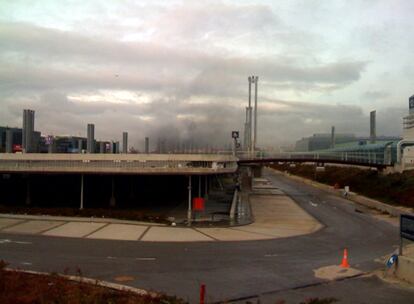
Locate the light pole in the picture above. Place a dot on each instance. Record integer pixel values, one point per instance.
(256, 80)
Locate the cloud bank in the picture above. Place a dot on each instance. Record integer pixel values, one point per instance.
(179, 71)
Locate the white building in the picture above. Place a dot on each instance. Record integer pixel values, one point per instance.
(405, 148)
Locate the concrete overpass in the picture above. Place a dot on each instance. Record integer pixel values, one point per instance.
(142, 164)
(190, 165)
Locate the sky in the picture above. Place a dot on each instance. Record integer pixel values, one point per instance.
(179, 69)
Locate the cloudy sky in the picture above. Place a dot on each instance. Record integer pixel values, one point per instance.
(179, 68)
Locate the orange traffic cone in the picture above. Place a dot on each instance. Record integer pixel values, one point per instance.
(344, 263)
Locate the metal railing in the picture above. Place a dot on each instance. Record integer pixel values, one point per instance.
(375, 158)
(109, 165)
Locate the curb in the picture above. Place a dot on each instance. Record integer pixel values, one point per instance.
(395, 211)
(77, 219)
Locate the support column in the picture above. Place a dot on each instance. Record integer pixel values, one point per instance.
(199, 186)
(28, 199)
(189, 213)
(206, 187)
(112, 201)
(81, 194)
(131, 189)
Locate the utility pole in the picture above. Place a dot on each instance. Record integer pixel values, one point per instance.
(255, 80)
(250, 114)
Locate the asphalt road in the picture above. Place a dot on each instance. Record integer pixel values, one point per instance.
(277, 269)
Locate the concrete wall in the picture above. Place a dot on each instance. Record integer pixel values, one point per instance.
(408, 158)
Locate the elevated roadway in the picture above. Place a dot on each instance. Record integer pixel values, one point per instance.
(368, 159)
(159, 164)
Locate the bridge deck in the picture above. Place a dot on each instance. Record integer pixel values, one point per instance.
(161, 164)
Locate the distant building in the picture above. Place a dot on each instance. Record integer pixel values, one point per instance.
(67, 144)
(17, 139)
(409, 121)
(322, 141)
(28, 140)
(90, 143)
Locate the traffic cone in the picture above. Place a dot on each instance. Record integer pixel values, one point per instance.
(344, 263)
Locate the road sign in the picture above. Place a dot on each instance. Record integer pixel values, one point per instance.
(407, 227)
(391, 261)
(235, 134)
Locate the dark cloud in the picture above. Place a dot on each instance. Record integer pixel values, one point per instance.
(200, 124)
(44, 59)
(185, 68)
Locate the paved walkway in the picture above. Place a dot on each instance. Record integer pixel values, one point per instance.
(275, 216)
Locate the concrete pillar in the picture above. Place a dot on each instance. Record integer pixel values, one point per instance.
(206, 187)
(131, 196)
(81, 194)
(112, 201)
(9, 141)
(189, 212)
(28, 201)
(125, 142)
(199, 186)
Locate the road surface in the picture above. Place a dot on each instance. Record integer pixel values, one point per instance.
(278, 269)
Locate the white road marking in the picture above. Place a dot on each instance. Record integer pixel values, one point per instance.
(111, 257)
(26, 263)
(145, 259)
(6, 241)
(313, 204)
(270, 255)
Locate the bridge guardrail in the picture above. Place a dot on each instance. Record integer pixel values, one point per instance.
(375, 158)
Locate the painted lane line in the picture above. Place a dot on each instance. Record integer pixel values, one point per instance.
(145, 259)
(7, 241)
(26, 263)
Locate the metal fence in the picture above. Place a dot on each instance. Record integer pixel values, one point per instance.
(108, 165)
(377, 158)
